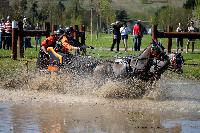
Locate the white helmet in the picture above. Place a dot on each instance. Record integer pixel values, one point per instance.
(8, 18)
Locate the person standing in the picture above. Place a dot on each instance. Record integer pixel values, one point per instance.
(125, 30)
(116, 35)
(8, 33)
(2, 25)
(25, 27)
(179, 41)
(37, 37)
(137, 34)
(191, 28)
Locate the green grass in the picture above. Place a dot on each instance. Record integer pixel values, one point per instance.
(102, 50)
(105, 41)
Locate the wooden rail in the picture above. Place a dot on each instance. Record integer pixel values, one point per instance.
(18, 34)
(169, 34)
(194, 35)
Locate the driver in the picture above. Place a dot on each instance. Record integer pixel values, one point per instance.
(59, 42)
(55, 43)
(63, 43)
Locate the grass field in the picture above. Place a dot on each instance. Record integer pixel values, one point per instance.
(102, 45)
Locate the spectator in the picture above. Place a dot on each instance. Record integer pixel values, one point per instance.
(8, 33)
(1, 32)
(116, 35)
(25, 27)
(137, 34)
(191, 28)
(25, 23)
(179, 41)
(125, 30)
(37, 37)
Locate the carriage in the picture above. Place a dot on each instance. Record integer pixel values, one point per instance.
(150, 64)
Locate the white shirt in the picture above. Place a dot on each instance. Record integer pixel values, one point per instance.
(191, 29)
(124, 30)
(179, 29)
(1, 27)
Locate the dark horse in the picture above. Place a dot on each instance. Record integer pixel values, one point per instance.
(150, 64)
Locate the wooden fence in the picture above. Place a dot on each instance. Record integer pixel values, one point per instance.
(169, 34)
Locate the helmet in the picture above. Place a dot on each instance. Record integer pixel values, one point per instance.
(60, 32)
(67, 30)
(51, 37)
(8, 17)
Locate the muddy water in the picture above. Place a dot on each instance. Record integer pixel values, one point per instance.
(174, 106)
(65, 118)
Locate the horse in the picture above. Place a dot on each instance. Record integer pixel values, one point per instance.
(150, 64)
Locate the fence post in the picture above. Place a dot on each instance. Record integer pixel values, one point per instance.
(54, 28)
(21, 39)
(82, 35)
(14, 39)
(76, 36)
(76, 32)
(47, 28)
(169, 29)
(82, 31)
(154, 33)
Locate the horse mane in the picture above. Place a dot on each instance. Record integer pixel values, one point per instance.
(145, 54)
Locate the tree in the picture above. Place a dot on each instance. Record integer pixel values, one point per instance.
(121, 15)
(74, 12)
(4, 8)
(172, 16)
(33, 10)
(196, 12)
(43, 15)
(23, 6)
(190, 4)
(77, 17)
(106, 13)
(60, 8)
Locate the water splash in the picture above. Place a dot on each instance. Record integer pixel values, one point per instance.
(72, 83)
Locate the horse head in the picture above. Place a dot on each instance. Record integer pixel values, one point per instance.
(138, 66)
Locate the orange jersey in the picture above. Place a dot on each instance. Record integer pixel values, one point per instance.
(49, 42)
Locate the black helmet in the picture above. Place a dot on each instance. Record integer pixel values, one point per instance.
(60, 32)
(67, 30)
